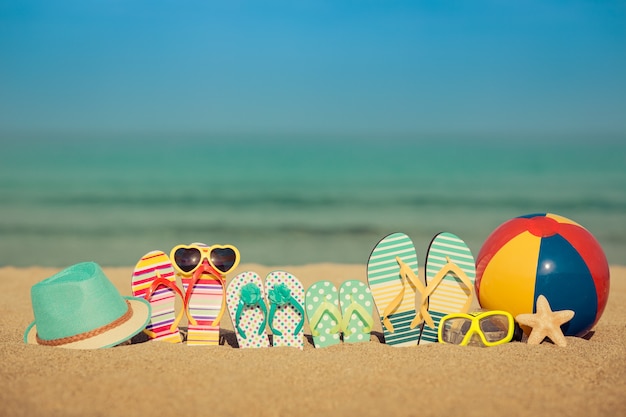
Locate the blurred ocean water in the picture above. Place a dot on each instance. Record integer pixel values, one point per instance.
(295, 201)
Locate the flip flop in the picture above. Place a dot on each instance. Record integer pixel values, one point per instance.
(322, 309)
(285, 294)
(204, 298)
(392, 277)
(154, 280)
(356, 308)
(245, 298)
(450, 275)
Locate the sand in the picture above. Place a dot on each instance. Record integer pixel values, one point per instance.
(586, 378)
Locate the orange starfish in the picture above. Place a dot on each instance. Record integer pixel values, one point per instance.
(545, 323)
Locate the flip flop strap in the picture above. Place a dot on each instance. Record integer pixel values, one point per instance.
(196, 277)
(357, 308)
(406, 274)
(319, 313)
(297, 306)
(438, 278)
(162, 282)
(421, 309)
(240, 308)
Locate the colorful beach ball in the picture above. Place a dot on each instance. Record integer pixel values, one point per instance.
(544, 254)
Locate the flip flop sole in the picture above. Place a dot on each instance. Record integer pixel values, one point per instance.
(385, 282)
(357, 328)
(316, 295)
(252, 317)
(287, 318)
(163, 301)
(451, 294)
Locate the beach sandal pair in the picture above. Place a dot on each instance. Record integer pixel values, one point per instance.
(331, 312)
(202, 271)
(410, 311)
(248, 302)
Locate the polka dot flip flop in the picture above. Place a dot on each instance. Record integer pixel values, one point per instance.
(285, 294)
(245, 298)
(322, 310)
(356, 308)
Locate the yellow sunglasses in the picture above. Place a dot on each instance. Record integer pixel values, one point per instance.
(188, 258)
(488, 328)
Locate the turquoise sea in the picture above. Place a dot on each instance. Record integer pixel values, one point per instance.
(293, 200)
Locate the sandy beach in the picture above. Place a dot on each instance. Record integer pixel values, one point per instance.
(586, 378)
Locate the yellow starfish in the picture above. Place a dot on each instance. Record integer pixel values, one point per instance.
(545, 323)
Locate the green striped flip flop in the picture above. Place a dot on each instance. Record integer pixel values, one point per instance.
(392, 277)
(322, 310)
(450, 275)
(356, 308)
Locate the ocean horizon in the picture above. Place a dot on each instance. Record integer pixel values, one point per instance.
(291, 200)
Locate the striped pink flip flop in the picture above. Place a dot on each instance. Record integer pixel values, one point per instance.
(154, 280)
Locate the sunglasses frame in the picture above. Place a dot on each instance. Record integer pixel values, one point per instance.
(205, 253)
(475, 318)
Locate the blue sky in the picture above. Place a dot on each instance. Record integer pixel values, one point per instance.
(362, 67)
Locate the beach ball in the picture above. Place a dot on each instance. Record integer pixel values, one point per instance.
(544, 254)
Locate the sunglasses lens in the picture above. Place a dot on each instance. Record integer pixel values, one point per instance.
(495, 328)
(187, 259)
(454, 330)
(223, 258)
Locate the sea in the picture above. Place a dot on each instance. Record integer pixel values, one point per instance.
(293, 199)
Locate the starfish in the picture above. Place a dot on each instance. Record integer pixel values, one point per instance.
(545, 323)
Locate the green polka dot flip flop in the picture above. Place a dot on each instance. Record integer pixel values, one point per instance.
(356, 309)
(285, 294)
(245, 298)
(322, 310)
(450, 275)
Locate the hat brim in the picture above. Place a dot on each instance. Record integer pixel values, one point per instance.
(138, 321)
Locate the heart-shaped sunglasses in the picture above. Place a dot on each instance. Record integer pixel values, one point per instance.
(188, 258)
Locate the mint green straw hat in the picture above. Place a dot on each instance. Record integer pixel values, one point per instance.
(79, 308)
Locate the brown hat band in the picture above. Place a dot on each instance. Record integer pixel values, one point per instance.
(86, 335)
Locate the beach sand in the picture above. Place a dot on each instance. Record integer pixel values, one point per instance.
(586, 378)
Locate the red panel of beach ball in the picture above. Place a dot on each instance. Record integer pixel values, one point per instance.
(544, 254)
